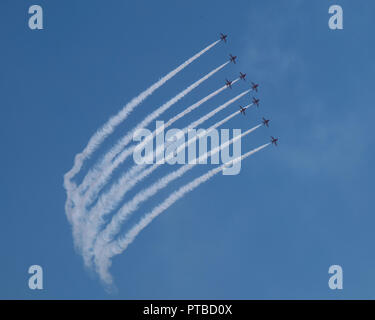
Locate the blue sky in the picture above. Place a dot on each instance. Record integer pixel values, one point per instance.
(270, 232)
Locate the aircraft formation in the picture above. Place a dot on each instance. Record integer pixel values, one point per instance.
(254, 87)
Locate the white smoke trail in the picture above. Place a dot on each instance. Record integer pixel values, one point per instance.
(133, 176)
(215, 111)
(75, 204)
(96, 186)
(114, 121)
(114, 226)
(191, 108)
(108, 201)
(94, 173)
(232, 116)
(103, 261)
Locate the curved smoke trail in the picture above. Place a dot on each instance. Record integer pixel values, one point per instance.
(103, 260)
(97, 177)
(109, 201)
(101, 134)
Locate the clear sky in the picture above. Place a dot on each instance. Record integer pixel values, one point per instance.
(270, 232)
